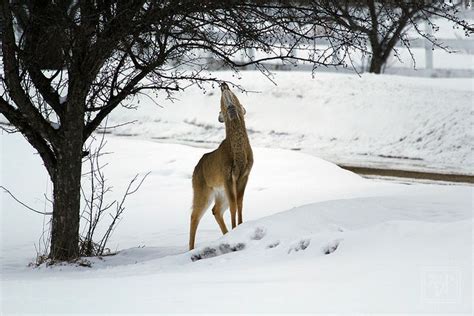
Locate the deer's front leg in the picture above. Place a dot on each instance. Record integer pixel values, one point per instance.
(231, 192)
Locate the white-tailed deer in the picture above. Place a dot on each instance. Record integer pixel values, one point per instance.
(221, 176)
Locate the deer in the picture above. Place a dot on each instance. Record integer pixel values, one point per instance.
(221, 176)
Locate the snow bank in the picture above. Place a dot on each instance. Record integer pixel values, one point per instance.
(355, 245)
(381, 121)
(162, 205)
(413, 123)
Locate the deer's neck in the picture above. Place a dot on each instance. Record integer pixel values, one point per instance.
(236, 134)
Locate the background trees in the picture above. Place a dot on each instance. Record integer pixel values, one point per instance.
(385, 23)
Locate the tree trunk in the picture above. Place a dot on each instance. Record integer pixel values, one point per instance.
(67, 184)
(376, 63)
(66, 207)
(379, 56)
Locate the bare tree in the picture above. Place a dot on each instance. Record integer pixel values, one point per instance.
(67, 64)
(384, 23)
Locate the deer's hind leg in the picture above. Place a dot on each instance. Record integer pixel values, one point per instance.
(241, 185)
(218, 210)
(201, 200)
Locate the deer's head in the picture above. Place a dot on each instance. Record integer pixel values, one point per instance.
(230, 105)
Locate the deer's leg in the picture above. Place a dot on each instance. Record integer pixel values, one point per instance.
(231, 192)
(201, 202)
(241, 184)
(218, 211)
(192, 231)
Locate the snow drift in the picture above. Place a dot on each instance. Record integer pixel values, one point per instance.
(389, 121)
(316, 238)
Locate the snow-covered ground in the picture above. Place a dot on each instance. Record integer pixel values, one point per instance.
(388, 121)
(316, 238)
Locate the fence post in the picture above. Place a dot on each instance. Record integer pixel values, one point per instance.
(428, 47)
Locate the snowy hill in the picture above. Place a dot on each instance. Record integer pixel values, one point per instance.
(388, 121)
(316, 238)
(373, 120)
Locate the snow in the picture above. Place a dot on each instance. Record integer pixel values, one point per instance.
(447, 30)
(62, 99)
(457, 59)
(409, 123)
(459, 45)
(55, 125)
(316, 238)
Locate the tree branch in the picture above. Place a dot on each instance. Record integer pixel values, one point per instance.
(12, 77)
(16, 118)
(23, 204)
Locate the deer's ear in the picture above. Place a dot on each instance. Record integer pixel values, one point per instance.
(221, 117)
(244, 110)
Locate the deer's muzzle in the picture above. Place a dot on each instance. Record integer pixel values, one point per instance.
(224, 86)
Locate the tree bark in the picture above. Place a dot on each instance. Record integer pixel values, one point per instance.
(66, 207)
(376, 63)
(67, 183)
(378, 59)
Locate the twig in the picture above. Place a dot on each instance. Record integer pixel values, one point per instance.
(119, 211)
(23, 204)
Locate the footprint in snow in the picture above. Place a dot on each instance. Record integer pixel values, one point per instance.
(331, 247)
(301, 245)
(222, 249)
(259, 233)
(273, 245)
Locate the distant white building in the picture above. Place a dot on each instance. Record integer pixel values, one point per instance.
(466, 3)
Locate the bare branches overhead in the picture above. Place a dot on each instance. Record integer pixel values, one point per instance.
(111, 50)
(67, 64)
